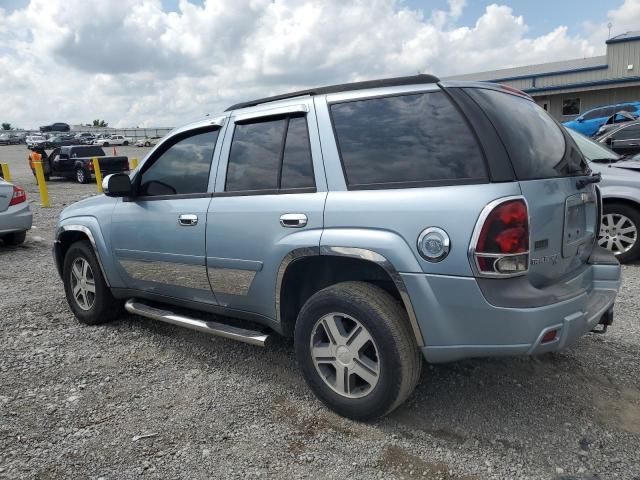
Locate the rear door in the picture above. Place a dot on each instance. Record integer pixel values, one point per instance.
(269, 200)
(548, 165)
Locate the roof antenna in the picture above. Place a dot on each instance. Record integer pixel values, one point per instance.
(609, 25)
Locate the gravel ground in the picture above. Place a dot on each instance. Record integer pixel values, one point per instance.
(139, 398)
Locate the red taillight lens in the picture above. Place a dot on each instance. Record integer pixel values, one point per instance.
(19, 196)
(504, 233)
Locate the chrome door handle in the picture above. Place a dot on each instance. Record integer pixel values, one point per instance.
(188, 220)
(293, 220)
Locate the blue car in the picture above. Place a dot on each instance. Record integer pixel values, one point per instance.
(589, 122)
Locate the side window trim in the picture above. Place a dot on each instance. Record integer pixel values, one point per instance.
(285, 113)
(162, 148)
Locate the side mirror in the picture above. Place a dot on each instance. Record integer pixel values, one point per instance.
(609, 141)
(579, 119)
(117, 185)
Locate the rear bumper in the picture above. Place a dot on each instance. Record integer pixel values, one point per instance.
(17, 218)
(457, 321)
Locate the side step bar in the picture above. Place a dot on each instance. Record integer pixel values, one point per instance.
(214, 328)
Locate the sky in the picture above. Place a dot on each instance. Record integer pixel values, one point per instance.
(163, 63)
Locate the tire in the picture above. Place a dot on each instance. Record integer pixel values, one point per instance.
(105, 144)
(147, 144)
(390, 356)
(15, 238)
(82, 176)
(125, 143)
(97, 307)
(620, 231)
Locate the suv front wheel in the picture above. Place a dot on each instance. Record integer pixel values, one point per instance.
(86, 290)
(356, 350)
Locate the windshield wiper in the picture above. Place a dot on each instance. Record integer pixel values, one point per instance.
(605, 160)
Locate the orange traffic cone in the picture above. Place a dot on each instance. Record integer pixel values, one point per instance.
(115, 154)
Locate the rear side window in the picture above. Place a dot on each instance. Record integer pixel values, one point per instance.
(273, 154)
(406, 141)
(535, 142)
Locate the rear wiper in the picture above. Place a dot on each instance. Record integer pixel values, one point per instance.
(584, 181)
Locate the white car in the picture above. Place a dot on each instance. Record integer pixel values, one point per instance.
(34, 140)
(113, 140)
(146, 142)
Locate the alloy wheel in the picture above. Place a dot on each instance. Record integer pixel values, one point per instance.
(618, 233)
(80, 175)
(83, 284)
(345, 355)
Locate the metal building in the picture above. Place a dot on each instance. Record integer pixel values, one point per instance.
(567, 89)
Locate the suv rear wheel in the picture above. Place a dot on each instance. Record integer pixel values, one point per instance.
(356, 350)
(81, 175)
(86, 290)
(619, 231)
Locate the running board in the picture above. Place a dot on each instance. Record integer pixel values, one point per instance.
(213, 328)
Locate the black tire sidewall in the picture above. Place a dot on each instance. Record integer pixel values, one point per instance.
(388, 387)
(100, 306)
(634, 215)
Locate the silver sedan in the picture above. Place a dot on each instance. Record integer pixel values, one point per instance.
(620, 187)
(15, 214)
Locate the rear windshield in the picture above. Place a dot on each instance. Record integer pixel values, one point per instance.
(87, 151)
(535, 142)
(408, 140)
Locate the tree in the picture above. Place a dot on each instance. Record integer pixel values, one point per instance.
(6, 126)
(100, 123)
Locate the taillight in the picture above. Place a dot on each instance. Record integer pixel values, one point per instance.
(502, 239)
(19, 196)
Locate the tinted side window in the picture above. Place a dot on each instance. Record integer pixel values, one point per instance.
(183, 168)
(254, 159)
(270, 155)
(297, 166)
(408, 140)
(535, 142)
(629, 133)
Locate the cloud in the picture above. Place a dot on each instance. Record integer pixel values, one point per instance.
(133, 63)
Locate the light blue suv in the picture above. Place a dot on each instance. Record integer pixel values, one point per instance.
(375, 223)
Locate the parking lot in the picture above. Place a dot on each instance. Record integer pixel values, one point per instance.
(138, 398)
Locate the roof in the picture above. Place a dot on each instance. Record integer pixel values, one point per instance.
(578, 64)
(625, 37)
(344, 87)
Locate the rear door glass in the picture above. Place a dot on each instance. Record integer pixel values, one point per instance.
(406, 140)
(535, 142)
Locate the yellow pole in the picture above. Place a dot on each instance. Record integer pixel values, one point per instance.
(42, 184)
(98, 173)
(133, 164)
(6, 174)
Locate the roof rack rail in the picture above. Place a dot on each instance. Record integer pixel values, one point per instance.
(344, 87)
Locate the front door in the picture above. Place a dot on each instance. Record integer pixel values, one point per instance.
(158, 236)
(269, 200)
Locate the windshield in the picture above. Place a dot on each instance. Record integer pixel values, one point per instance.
(593, 151)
